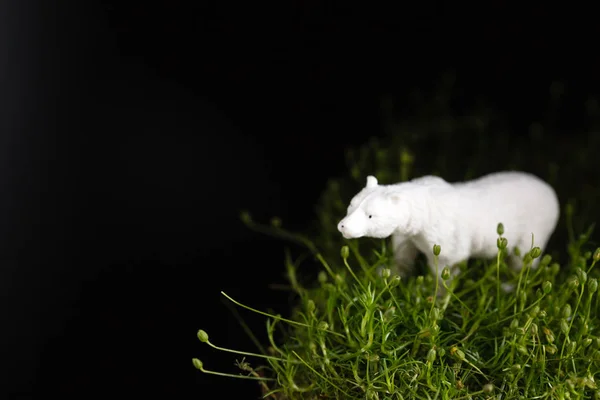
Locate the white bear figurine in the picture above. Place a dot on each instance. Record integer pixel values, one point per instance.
(461, 217)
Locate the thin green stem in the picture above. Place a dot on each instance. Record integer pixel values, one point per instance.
(253, 378)
(289, 321)
(353, 274)
(498, 284)
(320, 375)
(245, 353)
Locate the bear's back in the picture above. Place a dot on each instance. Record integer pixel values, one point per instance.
(498, 179)
(429, 180)
(521, 201)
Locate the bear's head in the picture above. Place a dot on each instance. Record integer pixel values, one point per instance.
(373, 212)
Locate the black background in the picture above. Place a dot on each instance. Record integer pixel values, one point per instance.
(133, 134)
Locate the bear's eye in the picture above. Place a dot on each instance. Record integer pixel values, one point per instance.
(370, 216)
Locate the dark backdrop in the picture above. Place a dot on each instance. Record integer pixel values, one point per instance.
(131, 135)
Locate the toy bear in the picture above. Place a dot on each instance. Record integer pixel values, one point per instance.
(461, 217)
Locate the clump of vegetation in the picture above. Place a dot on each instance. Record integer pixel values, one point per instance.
(359, 331)
(360, 334)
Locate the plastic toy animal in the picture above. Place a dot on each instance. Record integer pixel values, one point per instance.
(460, 217)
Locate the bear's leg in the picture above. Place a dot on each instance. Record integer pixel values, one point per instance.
(405, 254)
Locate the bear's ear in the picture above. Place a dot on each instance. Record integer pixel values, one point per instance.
(371, 181)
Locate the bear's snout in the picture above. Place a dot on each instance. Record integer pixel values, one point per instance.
(348, 229)
(343, 228)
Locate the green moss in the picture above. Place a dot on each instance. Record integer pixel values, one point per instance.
(355, 333)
